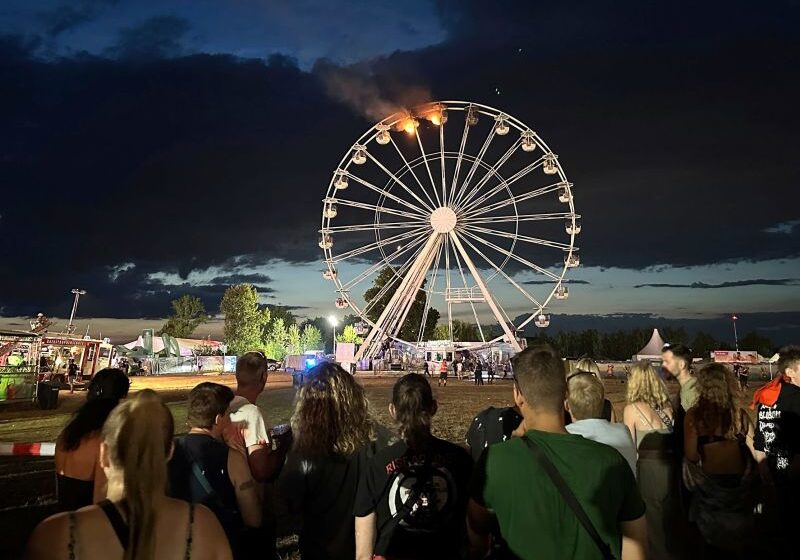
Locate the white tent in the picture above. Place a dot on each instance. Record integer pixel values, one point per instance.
(651, 350)
(186, 345)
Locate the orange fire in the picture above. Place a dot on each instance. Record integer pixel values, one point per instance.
(409, 125)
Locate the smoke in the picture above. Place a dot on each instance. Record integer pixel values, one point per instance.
(358, 88)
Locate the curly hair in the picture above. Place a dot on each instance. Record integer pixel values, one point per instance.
(720, 402)
(331, 415)
(644, 385)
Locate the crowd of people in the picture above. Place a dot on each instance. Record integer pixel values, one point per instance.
(554, 476)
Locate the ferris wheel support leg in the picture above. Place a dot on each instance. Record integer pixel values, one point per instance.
(485, 292)
(413, 276)
(413, 287)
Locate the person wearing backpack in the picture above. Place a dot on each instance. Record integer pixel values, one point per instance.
(204, 470)
(412, 497)
(551, 493)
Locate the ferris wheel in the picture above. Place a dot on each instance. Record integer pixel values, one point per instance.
(456, 207)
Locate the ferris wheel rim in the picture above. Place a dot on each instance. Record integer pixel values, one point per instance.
(369, 135)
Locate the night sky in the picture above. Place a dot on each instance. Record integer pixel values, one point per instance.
(154, 148)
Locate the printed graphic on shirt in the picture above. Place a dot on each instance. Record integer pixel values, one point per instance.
(423, 497)
(768, 417)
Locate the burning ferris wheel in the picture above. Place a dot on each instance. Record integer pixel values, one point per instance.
(457, 204)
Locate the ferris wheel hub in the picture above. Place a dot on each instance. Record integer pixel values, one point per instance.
(443, 220)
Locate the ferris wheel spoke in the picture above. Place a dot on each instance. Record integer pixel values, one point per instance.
(441, 162)
(520, 237)
(459, 159)
(397, 180)
(373, 226)
(508, 253)
(413, 174)
(447, 285)
(391, 282)
(466, 287)
(471, 173)
(478, 202)
(375, 208)
(519, 218)
(378, 244)
(514, 200)
(427, 165)
(386, 193)
(522, 290)
(429, 293)
(381, 263)
(489, 173)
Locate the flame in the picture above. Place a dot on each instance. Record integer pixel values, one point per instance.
(409, 125)
(436, 119)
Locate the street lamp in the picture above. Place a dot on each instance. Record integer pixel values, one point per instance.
(735, 335)
(78, 293)
(333, 321)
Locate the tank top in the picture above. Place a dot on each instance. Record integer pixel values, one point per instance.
(198, 473)
(121, 529)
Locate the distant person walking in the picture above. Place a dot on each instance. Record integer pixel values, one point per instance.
(443, 373)
(479, 373)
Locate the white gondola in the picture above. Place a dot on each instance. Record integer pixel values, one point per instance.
(572, 261)
(501, 126)
(562, 292)
(528, 143)
(360, 155)
(549, 166)
(564, 195)
(472, 116)
(341, 182)
(573, 228)
(383, 137)
(329, 273)
(325, 241)
(341, 303)
(542, 320)
(330, 210)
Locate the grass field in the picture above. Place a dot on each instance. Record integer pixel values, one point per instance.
(27, 484)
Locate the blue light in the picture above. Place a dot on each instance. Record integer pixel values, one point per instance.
(310, 362)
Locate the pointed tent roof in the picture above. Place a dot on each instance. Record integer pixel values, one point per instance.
(651, 350)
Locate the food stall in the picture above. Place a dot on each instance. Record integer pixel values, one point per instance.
(91, 355)
(19, 358)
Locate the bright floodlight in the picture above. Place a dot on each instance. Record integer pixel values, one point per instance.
(332, 320)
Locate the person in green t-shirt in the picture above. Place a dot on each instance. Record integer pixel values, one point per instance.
(534, 520)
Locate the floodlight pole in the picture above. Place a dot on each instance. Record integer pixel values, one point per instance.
(78, 293)
(735, 334)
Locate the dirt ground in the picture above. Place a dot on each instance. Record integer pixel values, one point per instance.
(27, 484)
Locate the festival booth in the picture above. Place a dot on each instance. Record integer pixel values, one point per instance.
(652, 350)
(19, 358)
(90, 355)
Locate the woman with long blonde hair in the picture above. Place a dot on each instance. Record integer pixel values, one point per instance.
(648, 416)
(719, 461)
(137, 521)
(332, 426)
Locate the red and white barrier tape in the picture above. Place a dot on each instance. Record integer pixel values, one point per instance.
(40, 449)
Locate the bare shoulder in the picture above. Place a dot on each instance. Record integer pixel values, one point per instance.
(208, 538)
(49, 539)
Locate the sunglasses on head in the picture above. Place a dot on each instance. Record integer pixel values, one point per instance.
(577, 373)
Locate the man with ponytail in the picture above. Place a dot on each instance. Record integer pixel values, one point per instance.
(411, 498)
(137, 521)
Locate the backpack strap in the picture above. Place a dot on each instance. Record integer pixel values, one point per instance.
(570, 499)
(117, 523)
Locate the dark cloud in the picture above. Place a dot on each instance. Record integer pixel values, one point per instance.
(229, 279)
(549, 282)
(678, 131)
(156, 37)
(733, 284)
(68, 16)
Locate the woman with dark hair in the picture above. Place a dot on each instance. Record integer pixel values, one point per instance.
(332, 429)
(80, 480)
(412, 497)
(719, 467)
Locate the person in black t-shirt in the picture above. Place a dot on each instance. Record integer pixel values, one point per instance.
(490, 426)
(333, 437)
(411, 500)
(777, 444)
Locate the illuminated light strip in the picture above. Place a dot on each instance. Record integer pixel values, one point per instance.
(38, 449)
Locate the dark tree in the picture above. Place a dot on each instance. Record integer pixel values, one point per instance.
(188, 313)
(410, 328)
